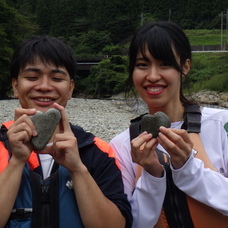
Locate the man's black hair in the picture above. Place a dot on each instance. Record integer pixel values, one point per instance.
(48, 49)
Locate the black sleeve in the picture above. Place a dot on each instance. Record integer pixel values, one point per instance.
(108, 177)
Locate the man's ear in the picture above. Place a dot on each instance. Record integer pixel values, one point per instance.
(186, 66)
(71, 89)
(15, 86)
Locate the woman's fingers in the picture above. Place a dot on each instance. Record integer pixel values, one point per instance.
(177, 143)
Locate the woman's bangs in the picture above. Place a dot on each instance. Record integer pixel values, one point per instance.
(159, 45)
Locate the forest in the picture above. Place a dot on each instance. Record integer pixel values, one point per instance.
(96, 27)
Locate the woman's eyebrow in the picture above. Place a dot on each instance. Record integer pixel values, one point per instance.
(142, 59)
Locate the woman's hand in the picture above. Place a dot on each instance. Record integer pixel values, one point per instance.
(177, 143)
(143, 153)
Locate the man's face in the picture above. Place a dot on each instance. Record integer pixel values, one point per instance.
(40, 86)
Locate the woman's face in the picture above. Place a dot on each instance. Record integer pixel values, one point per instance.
(157, 82)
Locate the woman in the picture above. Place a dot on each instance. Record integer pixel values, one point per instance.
(159, 59)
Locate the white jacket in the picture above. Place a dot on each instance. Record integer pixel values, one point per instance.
(205, 185)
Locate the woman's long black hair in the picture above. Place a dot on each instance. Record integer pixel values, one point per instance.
(163, 39)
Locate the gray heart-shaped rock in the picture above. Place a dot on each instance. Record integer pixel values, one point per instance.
(45, 123)
(152, 123)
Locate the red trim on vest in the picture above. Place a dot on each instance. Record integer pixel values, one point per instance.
(4, 157)
(4, 154)
(33, 161)
(8, 123)
(105, 147)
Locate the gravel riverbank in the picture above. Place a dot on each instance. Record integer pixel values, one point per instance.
(107, 118)
(104, 118)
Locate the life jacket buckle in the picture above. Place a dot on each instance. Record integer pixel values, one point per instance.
(19, 213)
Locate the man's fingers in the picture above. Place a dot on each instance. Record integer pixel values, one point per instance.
(24, 121)
(64, 125)
(21, 111)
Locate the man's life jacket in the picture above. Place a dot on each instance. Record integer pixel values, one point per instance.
(180, 210)
(50, 202)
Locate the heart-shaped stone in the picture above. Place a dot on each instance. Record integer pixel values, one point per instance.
(45, 123)
(152, 123)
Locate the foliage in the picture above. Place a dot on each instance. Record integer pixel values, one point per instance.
(104, 27)
(92, 42)
(119, 18)
(113, 50)
(13, 29)
(209, 71)
(204, 36)
(107, 78)
(215, 83)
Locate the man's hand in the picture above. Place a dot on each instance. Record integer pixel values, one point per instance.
(65, 148)
(20, 133)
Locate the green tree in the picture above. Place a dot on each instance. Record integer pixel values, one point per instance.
(44, 15)
(92, 42)
(70, 18)
(116, 17)
(107, 78)
(13, 29)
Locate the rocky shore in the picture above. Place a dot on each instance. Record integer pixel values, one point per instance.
(211, 98)
(106, 118)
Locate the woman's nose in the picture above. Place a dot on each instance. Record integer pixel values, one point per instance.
(153, 74)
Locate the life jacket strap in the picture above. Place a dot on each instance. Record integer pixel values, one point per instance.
(21, 213)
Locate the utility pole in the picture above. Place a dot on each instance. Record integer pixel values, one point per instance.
(221, 15)
(226, 29)
(142, 18)
(169, 14)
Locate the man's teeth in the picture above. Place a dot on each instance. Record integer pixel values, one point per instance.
(44, 99)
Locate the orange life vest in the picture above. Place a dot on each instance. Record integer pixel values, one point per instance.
(4, 155)
(33, 159)
(202, 215)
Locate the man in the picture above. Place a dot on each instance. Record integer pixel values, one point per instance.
(73, 181)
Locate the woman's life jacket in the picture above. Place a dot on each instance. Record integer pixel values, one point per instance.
(180, 210)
